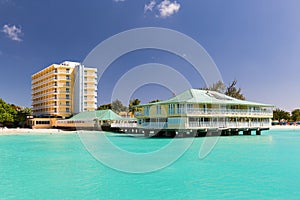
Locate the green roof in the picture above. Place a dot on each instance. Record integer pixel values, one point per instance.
(206, 96)
(98, 114)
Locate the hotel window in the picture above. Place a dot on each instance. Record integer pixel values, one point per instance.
(85, 84)
(68, 83)
(85, 72)
(55, 103)
(171, 109)
(55, 90)
(179, 108)
(55, 83)
(42, 122)
(67, 110)
(146, 110)
(55, 97)
(68, 71)
(67, 90)
(68, 77)
(67, 96)
(68, 103)
(55, 110)
(55, 77)
(85, 104)
(158, 110)
(85, 97)
(190, 107)
(55, 70)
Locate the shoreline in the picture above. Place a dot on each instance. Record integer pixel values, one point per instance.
(286, 127)
(28, 131)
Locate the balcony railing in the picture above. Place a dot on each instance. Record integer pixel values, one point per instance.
(227, 124)
(120, 125)
(231, 112)
(218, 112)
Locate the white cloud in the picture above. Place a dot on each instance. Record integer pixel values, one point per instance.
(118, 0)
(167, 8)
(13, 32)
(149, 6)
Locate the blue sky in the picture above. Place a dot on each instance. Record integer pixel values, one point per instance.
(256, 42)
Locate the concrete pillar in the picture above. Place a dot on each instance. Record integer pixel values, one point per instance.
(258, 132)
(247, 132)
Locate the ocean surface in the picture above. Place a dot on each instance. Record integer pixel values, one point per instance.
(239, 167)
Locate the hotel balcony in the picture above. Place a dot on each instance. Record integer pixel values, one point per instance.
(217, 112)
(228, 124)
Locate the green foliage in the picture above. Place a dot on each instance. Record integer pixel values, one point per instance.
(118, 107)
(7, 112)
(218, 87)
(115, 106)
(279, 114)
(154, 101)
(132, 104)
(234, 92)
(13, 115)
(296, 115)
(104, 107)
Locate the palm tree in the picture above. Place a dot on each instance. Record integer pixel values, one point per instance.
(132, 104)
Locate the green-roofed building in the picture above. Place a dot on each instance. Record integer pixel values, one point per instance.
(197, 109)
(95, 120)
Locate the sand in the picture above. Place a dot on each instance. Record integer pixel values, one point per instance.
(286, 127)
(25, 131)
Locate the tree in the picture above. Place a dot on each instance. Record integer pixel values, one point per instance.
(279, 114)
(234, 92)
(296, 115)
(229, 90)
(104, 107)
(132, 104)
(154, 101)
(218, 87)
(7, 113)
(118, 107)
(21, 116)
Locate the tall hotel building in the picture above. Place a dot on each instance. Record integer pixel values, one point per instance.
(62, 90)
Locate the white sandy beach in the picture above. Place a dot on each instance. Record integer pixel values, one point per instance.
(287, 127)
(25, 131)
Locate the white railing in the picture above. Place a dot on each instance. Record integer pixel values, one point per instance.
(43, 88)
(90, 74)
(44, 76)
(121, 125)
(42, 95)
(50, 99)
(227, 124)
(231, 112)
(90, 80)
(218, 112)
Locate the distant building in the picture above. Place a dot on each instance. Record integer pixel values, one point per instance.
(62, 90)
(197, 110)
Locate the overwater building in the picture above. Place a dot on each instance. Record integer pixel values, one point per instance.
(62, 90)
(198, 111)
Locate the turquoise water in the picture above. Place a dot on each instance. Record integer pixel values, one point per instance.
(240, 167)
